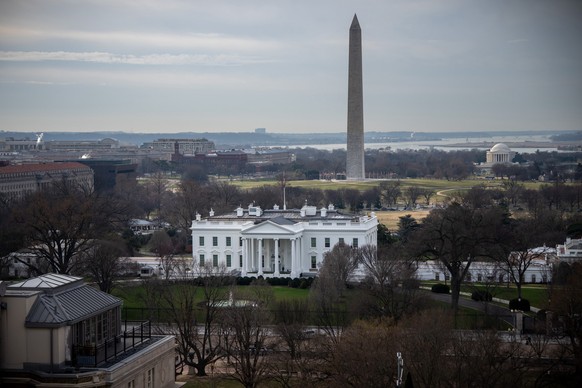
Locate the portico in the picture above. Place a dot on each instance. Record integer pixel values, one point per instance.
(274, 242)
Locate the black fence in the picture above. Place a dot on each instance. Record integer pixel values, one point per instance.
(112, 349)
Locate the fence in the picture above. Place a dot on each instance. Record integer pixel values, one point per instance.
(94, 355)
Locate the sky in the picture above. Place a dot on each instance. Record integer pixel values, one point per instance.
(236, 65)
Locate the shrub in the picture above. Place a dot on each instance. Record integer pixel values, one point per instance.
(481, 296)
(303, 284)
(294, 283)
(440, 288)
(410, 284)
(516, 304)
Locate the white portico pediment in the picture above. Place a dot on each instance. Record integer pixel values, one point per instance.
(270, 228)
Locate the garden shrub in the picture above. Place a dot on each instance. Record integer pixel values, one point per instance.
(516, 304)
(440, 288)
(481, 296)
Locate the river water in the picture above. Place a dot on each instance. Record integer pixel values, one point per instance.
(446, 144)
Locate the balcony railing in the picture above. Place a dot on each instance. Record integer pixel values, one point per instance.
(112, 349)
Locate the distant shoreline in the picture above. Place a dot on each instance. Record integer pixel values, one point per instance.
(518, 144)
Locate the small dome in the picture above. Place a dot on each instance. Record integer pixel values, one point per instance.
(500, 147)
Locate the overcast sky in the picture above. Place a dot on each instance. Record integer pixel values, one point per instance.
(201, 65)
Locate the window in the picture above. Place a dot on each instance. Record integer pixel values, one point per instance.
(355, 242)
(202, 260)
(479, 278)
(215, 260)
(341, 240)
(228, 241)
(545, 278)
(327, 242)
(201, 241)
(240, 261)
(214, 241)
(533, 278)
(240, 242)
(131, 384)
(313, 242)
(149, 383)
(501, 278)
(437, 276)
(313, 262)
(228, 260)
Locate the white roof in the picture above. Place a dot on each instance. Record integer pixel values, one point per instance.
(500, 147)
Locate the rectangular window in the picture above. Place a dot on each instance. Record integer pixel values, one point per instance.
(355, 242)
(240, 242)
(313, 242)
(327, 242)
(228, 241)
(215, 260)
(214, 241)
(240, 261)
(201, 241)
(533, 278)
(341, 240)
(436, 276)
(202, 260)
(149, 383)
(313, 262)
(228, 260)
(131, 384)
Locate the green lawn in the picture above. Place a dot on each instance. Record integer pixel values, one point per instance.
(434, 184)
(134, 295)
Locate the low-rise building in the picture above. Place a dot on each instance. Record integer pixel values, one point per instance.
(571, 251)
(55, 330)
(277, 242)
(16, 181)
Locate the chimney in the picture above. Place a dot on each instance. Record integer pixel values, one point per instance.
(323, 212)
(239, 211)
(211, 213)
(198, 216)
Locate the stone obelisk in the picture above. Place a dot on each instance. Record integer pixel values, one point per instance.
(355, 154)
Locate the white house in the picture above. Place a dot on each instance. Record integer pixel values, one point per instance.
(277, 242)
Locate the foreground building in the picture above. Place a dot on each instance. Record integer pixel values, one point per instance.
(276, 242)
(57, 331)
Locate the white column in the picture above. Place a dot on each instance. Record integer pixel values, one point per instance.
(293, 259)
(276, 257)
(260, 258)
(245, 258)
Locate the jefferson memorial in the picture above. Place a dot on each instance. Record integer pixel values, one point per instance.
(500, 153)
(277, 242)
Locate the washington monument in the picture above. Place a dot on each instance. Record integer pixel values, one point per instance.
(355, 154)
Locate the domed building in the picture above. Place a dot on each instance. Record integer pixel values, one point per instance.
(500, 153)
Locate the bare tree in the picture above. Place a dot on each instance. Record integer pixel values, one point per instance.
(390, 191)
(365, 356)
(104, 262)
(386, 270)
(456, 236)
(411, 195)
(192, 310)
(60, 224)
(246, 324)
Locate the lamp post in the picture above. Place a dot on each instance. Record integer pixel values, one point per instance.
(400, 369)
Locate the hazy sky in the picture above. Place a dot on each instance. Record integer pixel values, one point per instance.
(219, 65)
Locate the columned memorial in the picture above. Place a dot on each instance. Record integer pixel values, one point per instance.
(355, 147)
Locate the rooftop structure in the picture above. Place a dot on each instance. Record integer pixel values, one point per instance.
(55, 329)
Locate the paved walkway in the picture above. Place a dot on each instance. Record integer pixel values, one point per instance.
(489, 308)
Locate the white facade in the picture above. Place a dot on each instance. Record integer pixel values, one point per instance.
(500, 153)
(277, 243)
(570, 251)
